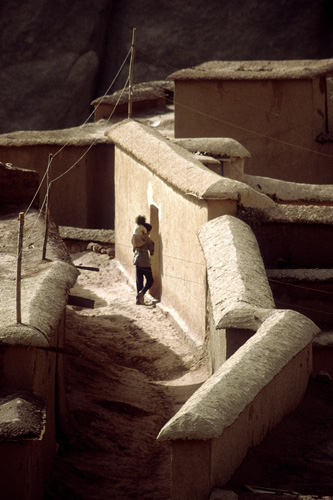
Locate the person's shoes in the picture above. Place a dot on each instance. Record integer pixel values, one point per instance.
(138, 303)
(141, 298)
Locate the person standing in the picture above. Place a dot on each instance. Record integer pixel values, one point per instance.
(141, 259)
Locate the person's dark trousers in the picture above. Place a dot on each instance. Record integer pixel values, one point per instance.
(143, 272)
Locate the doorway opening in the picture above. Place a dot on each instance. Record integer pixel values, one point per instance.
(156, 289)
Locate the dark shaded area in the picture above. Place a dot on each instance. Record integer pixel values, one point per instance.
(57, 57)
(297, 455)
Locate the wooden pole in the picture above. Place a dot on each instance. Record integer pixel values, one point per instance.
(19, 268)
(130, 89)
(47, 208)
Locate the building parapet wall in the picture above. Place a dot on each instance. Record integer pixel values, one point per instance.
(256, 70)
(240, 292)
(250, 393)
(218, 403)
(178, 167)
(83, 135)
(290, 214)
(39, 320)
(31, 368)
(291, 192)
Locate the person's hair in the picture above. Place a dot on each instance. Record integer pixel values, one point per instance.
(148, 226)
(140, 220)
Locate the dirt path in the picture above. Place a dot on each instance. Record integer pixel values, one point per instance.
(128, 373)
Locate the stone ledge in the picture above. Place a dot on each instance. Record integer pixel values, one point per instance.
(217, 404)
(82, 234)
(300, 274)
(240, 293)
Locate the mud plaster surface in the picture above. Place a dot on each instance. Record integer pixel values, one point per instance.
(127, 372)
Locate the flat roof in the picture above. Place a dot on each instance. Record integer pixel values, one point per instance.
(84, 135)
(45, 284)
(146, 91)
(256, 70)
(178, 167)
(214, 146)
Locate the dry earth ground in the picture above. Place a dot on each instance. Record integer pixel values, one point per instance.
(127, 370)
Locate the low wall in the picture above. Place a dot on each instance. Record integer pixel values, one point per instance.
(28, 437)
(81, 171)
(17, 186)
(250, 393)
(30, 363)
(233, 411)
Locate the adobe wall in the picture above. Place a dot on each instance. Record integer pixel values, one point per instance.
(234, 409)
(26, 464)
(84, 197)
(280, 117)
(159, 179)
(200, 465)
(30, 369)
(261, 359)
(178, 264)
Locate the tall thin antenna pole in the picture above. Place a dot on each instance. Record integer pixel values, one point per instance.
(47, 209)
(130, 100)
(19, 266)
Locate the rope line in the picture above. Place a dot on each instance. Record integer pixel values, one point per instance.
(258, 134)
(244, 129)
(200, 264)
(276, 301)
(68, 170)
(235, 96)
(300, 286)
(303, 307)
(172, 276)
(100, 101)
(94, 142)
(253, 132)
(79, 129)
(169, 256)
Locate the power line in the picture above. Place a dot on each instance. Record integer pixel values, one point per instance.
(79, 129)
(253, 132)
(286, 283)
(95, 140)
(303, 307)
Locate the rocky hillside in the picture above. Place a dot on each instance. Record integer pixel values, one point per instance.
(56, 56)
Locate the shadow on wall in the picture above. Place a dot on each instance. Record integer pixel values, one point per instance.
(156, 289)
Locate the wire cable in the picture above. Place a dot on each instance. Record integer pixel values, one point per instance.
(253, 132)
(95, 140)
(79, 129)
